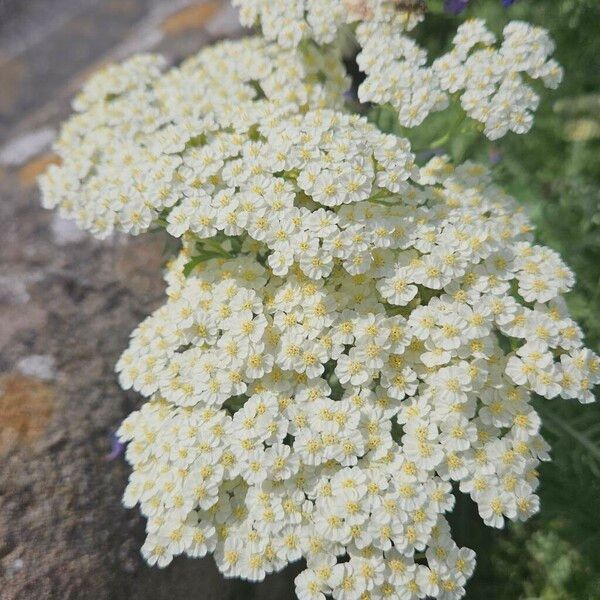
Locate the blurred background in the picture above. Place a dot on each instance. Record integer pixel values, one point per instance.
(68, 303)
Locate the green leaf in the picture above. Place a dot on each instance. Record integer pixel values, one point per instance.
(200, 258)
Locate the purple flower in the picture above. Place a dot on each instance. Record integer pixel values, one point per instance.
(494, 155)
(117, 448)
(455, 6)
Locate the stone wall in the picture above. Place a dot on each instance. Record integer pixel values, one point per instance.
(67, 305)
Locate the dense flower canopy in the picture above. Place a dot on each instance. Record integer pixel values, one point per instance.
(289, 22)
(320, 417)
(490, 83)
(144, 138)
(350, 336)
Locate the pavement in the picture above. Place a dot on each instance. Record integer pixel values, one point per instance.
(67, 305)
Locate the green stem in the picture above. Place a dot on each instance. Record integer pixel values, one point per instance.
(576, 435)
(381, 197)
(382, 201)
(441, 141)
(216, 248)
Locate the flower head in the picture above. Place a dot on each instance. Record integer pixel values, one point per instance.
(143, 138)
(319, 413)
(347, 335)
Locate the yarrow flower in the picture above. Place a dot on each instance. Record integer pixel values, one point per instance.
(490, 83)
(289, 22)
(144, 138)
(349, 337)
(327, 414)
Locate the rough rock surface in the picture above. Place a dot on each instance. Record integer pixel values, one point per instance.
(67, 305)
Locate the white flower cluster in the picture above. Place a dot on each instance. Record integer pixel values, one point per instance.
(289, 22)
(491, 81)
(145, 139)
(487, 81)
(347, 336)
(328, 417)
(281, 189)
